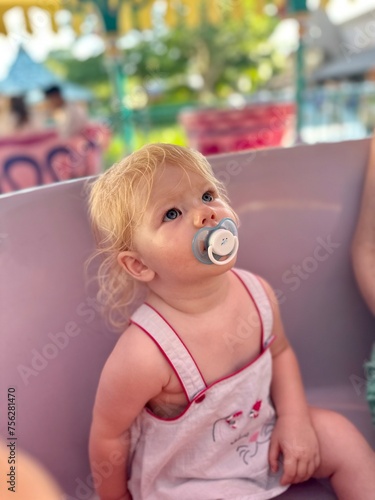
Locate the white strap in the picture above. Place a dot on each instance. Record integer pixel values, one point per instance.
(173, 348)
(256, 289)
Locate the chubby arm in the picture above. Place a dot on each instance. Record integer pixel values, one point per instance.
(134, 373)
(293, 436)
(363, 245)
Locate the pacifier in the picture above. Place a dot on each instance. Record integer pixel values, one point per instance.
(211, 244)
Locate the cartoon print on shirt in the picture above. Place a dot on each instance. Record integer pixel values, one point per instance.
(223, 431)
(254, 412)
(249, 450)
(232, 421)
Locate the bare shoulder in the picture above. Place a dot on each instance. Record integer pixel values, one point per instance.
(137, 354)
(134, 373)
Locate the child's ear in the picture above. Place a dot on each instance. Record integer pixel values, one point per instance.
(133, 265)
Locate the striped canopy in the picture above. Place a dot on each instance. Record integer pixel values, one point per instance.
(51, 6)
(120, 16)
(25, 75)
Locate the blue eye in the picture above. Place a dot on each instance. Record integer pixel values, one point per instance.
(207, 197)
(172, 214)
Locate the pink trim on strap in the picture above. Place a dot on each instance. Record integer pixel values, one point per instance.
(151, 322)
(180, 339)
(261, 348)
(164, 354)
(259, 297)
(177, 354)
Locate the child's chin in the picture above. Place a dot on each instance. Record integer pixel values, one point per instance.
(219, 269)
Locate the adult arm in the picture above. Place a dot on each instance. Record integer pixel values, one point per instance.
(363, 245)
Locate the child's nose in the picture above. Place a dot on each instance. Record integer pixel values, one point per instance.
(204, 216)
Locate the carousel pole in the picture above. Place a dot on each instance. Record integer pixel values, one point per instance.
(109, 13)
(298, 9)
(119, 84)
(300, 78)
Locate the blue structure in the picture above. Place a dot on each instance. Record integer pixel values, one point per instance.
(26, 75)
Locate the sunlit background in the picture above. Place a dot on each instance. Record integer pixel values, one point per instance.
(152, 84)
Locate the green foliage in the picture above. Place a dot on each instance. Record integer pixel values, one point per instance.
(89, 73)
(213, 56)
(173, 134)
(178, 65)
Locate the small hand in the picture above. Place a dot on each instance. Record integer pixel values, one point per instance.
(294, 438)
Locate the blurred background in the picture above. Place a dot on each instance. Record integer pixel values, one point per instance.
(218, 75)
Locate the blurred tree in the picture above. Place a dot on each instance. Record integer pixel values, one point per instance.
(208, 60)
(203, 52)
(89, 72)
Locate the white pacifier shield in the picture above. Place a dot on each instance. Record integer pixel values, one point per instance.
(216, 245)
(222, 242)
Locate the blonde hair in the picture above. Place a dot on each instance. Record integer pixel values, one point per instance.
(117, 202)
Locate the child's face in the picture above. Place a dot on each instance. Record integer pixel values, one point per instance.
(180, 204)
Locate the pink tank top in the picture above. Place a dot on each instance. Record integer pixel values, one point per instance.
(217, 449)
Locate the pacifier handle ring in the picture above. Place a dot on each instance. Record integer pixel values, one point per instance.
(222, 262)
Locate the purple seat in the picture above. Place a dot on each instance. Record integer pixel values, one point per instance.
(298, 209)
